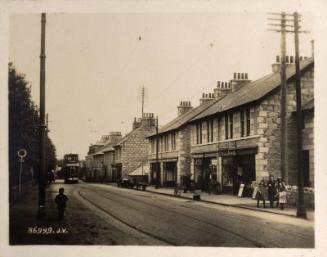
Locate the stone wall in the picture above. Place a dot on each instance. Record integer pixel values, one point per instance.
(307, 94)
(135, 150)
(308, 142)
(183, 144)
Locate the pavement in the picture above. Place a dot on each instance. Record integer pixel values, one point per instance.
(233, 201)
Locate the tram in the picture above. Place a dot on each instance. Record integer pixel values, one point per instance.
(71, 168)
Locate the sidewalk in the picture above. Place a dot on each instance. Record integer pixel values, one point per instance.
(26, 229)
(232, 200)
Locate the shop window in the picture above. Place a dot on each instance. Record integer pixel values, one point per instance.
(306, 168)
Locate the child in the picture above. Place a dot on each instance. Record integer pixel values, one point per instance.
(61, 200)
(282, 196)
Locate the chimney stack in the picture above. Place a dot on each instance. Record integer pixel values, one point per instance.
(289, 61)
(223, 88)
(239, 80)
(148, 120)
(184, 106)
(207, 98)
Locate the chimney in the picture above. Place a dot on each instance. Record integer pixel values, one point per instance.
(239, 80)
(223, 88)
(137, 123)
(183, 107)
(148, 120)
(207, 98)
(289, 61)
(114, 137)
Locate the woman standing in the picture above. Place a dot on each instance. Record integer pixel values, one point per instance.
(271, 191)
(261, 193)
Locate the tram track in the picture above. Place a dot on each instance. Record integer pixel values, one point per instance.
(117, 195)
(238, 218)
(124, 222)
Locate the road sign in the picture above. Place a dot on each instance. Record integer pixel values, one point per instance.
(22, 153)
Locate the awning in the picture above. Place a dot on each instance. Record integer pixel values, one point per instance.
(142, 170)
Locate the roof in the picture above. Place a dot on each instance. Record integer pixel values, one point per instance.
(252, 91)
(127, 136)
(141, 170)
(185, 117)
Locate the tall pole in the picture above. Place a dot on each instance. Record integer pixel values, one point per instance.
(42, 126)
(157, 152)
(142, 95)
(301, 211)
(283, 103)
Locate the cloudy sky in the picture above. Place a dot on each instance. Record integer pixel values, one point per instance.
(97, 63)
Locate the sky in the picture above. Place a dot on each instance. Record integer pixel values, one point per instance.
(97, 64)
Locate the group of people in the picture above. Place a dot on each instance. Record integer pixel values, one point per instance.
(273, 190)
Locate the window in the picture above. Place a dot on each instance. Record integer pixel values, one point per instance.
(173, 141)
(245, 123)
(153, 148)
(210, 131)
(166, 143)
(248, 122)
(242, 124)
(161, 144)
(226, 127)
(199, 133)
(231, 126)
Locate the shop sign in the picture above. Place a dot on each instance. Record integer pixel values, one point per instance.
(227, 152)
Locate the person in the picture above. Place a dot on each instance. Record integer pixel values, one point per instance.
(271, 191)
(61, 200)
(279, 184)
(282, 195)
(261, 193)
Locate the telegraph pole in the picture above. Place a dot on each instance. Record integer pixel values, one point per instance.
(42, 126)
(283, 91)
(157, 153)
(294, 28)
(142, 99)
(301, 211)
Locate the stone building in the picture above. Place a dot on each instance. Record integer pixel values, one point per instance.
(98, 165)
(132, 150)
(169, 153)
(237, 139)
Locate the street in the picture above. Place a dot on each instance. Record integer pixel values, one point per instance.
(141, 218)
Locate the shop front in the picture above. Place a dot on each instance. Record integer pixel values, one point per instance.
(169, 173)
(237, 167)
(205, 170)
(155, 178)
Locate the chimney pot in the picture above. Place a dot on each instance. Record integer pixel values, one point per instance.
(202, 95)
(291, 59)
(218, 84)
(242, 75)
(246, 76)
(286, 59)
(238, 75)
(235, 76)
(277, 59)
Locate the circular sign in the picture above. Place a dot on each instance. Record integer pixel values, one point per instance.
(22, 153)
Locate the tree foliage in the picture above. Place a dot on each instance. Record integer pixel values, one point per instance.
(23, 128)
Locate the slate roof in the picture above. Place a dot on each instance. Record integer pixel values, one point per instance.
(184, 118)
(251, 92)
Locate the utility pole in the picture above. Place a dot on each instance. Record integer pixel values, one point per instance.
(157, 153)
(293, 28)
(42, 126)
(283, 91)
(301, 211)
(142, 99)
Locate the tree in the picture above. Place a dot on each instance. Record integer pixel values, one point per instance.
(23, 128)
